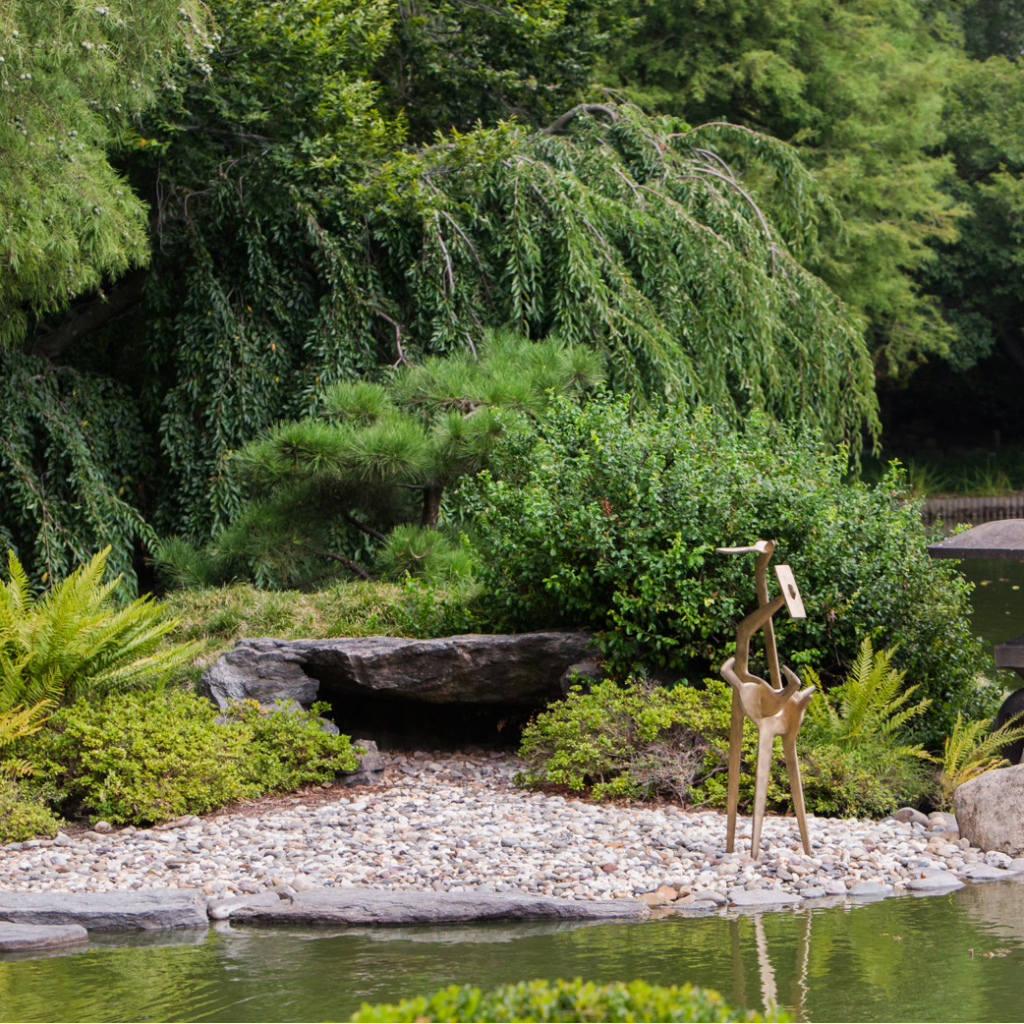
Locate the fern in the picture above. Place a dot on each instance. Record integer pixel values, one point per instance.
(968, 753)
(869, 706)
(73, 643)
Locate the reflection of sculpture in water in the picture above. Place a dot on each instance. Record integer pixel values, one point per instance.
(775, 710)
(766, 972)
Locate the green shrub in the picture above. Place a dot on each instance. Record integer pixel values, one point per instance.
(857, 782)
(634, 740)
(23, 815)
(606, 518)
(565, 1001)
(73, 642)
(290, 749)
(135, 758)
(638, 740)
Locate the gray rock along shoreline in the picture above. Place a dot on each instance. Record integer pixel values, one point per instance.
(449, 838)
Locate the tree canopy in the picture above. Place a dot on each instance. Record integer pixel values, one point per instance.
(71, 74)
(306, 231)
(857, 89)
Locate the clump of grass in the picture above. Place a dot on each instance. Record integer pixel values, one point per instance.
(218, 616)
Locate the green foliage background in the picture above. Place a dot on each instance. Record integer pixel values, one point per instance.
(605, 518)
(307, 228)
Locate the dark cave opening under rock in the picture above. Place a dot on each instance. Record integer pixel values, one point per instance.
(405, 724)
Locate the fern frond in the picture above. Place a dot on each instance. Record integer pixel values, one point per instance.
(967, 753)
(73, 642)
(871, 702)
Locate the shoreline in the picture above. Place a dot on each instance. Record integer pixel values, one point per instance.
(456, 824)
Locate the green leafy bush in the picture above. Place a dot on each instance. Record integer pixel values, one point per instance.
(575, 1000)
(606, 518)
(135, 758)
(638, 740)
(290, 748)
(74, 642)
(855, 782)
(23, 815)
(634, 740)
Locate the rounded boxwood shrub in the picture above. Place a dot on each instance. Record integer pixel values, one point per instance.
(135, 758)
(606, 518)
(22, 815)
(575, 1000)
(634, 740)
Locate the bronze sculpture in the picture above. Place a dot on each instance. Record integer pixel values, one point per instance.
(774, 708)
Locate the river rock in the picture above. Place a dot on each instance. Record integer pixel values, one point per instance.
(221, 910)
(153, 908)
(15, 937)
(353, 905)
(934, 879)
(986, 873)
(990, 810)
(523, 669)
(762, 897)
(371, 766)
(910, 814)
(870, 889)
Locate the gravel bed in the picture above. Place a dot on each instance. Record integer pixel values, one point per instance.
(444, 822)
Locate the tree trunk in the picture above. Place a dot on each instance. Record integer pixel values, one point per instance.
(89, 316)
(432, 504)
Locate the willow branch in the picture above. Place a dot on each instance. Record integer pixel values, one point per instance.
(583, 108)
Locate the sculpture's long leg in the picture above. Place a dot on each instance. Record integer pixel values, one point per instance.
(796, 787)
(765, 742)
(735, 750)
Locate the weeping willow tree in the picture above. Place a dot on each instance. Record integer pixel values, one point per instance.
(608, 229)
(627, 233)
(299, 240)
(73, 75)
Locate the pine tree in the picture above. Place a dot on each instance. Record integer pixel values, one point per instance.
(361, 485)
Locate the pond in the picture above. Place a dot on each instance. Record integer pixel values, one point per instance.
(997, 601)
(953, 957)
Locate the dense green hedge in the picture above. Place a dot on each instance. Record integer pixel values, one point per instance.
(136, 758)
(565, 1001)
(606, 518)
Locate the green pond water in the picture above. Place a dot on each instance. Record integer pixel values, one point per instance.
(952, 957)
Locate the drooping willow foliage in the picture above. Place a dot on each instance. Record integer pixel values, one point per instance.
(71, 73)
(73, 458)
(618, 232)
(298, 241)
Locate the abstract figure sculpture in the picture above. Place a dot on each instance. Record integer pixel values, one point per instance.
(775, 710)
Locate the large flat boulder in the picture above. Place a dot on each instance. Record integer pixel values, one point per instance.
(17, 937)
(990, 810)
(524, 670)
(141, 911)
(357, 906)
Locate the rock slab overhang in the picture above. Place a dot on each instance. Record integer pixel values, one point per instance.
(523, 669)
